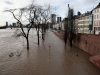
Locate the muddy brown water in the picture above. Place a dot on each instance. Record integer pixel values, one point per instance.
(51, 57)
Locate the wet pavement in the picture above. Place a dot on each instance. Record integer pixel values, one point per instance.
(51, 57)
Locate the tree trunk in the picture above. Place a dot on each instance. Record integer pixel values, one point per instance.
(27, 43)
(38, 34)
(42, 35)
(42, 31)
(65, 36)
(38, 37)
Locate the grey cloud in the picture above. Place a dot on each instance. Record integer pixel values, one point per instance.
(5, 8)
(8, 2)
(91, 1)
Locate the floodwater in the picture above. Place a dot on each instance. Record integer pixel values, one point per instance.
(51, 57)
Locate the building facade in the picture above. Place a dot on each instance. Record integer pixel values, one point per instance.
(75, 23)
(84, 23)
(14, 24)
(53, 18)
(6, 24)
(96, 19)
(87, 23)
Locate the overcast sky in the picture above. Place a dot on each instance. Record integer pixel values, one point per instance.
(60, 5)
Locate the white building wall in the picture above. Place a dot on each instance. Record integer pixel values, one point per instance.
(62, 26)
(57, 25)
(83, 23)
(80, 24)
(76, 25)
(96, 20)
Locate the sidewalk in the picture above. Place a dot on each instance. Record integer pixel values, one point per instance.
(95, 59)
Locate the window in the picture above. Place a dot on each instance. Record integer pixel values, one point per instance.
(87, 17)
(95, 16)
(98, 16)
(97, 10)
(99, 22)
(97, 28)
(94, 22)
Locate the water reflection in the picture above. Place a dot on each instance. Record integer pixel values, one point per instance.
(49, 55)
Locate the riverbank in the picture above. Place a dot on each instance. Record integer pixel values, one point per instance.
(88, 43)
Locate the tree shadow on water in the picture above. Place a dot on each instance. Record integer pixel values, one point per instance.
(28, 53)
(67, 47)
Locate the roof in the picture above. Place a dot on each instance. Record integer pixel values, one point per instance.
(76, 16)
(85, 14)
(98, 6)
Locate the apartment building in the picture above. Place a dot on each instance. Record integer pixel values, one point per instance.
(84, 23)
(96, 19)
(75, 23)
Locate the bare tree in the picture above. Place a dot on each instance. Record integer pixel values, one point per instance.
(32, 15)
(48, 11)
(69, 31)
(27, 14)
(66, 32)
(46, 15)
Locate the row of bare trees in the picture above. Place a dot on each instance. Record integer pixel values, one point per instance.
(32, 16)
(69, 28)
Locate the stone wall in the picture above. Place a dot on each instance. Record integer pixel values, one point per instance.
(89, 43)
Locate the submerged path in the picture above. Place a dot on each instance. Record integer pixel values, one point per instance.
(51, 57)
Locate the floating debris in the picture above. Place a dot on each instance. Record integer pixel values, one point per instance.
(49, 60)
(77, 55)
(11, 54)
(49, 46)
(18, 53)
